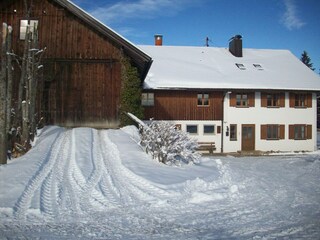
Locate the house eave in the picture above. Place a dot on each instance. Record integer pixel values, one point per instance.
(231, 89)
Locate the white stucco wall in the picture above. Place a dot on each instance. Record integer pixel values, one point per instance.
(200, 136)
(259, 116)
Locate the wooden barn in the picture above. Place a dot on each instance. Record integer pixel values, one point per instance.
(82, 61)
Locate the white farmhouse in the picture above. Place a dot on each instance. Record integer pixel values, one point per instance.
(237, 99)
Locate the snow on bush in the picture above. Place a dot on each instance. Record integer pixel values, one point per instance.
(164, 142)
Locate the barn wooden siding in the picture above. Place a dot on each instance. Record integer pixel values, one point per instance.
(82, 69)
(182, 105)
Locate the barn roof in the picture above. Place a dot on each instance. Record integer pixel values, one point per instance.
(140, 58)
(178, 67)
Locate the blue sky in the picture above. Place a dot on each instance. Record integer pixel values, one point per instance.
(265, 24)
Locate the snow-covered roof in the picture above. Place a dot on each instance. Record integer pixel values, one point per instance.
(180, 67)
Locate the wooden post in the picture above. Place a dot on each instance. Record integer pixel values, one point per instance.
(25, 84)
(3, 93)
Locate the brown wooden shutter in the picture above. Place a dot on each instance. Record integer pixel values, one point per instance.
(291, 131)
(309, 100)
(282, 100)
(233, 100)
(219, 129)
(263, 99)
(251, 98)
(263, 132)
(309, 131)
(281, 131)
(292, 100)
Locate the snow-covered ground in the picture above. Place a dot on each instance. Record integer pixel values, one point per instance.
(88, 184)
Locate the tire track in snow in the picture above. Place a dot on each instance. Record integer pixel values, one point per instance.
(23, 203)
(90, 196)
(131, 187)
(46, 195)
(69, 197)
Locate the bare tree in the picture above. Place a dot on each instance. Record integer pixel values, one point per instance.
(9, 79)
(30, 65)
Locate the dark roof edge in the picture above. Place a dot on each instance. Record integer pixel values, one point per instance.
(232, 89)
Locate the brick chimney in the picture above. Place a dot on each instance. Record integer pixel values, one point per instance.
(158, 40)
(235, 45)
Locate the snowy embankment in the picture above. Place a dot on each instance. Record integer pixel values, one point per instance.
(88, 184)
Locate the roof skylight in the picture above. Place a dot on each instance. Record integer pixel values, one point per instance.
(258, 66)
(241, 66)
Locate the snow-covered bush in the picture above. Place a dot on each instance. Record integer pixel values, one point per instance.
(169, 145)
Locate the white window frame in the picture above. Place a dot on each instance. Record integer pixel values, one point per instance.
(209, 125)
(192, 125)
(203, 99)
(147, 99)
(23, 27)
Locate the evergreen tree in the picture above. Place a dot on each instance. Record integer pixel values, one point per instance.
(306, 60)
(130, 97)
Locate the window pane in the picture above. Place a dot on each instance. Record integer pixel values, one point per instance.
(244, 100)
(23, 23)
(206, 99)
(150, 99)
(269, 100)
(147, 99)
(300, 100)
(276, 100)
(249, 133)
(23, 27)
(233, 132)
(192, 129)
(303, 136)
(144, 99)
(208, 129)
(275, 132)
(238, 97)
(33, 24)
(22, 33)
(298, 132)
(272, 100)
(203, 99)
(199, 99)
(272, 132)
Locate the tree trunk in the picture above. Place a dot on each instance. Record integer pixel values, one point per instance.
(3, 93)
(25, 125)
(33, 82)
(25, 85)
(22, 82)
(10, 81)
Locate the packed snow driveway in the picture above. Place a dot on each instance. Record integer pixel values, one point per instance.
(87, 184)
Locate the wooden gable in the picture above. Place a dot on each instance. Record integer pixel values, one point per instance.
(183, 105)
(82, 68)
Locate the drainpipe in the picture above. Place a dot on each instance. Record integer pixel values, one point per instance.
(222, 121)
